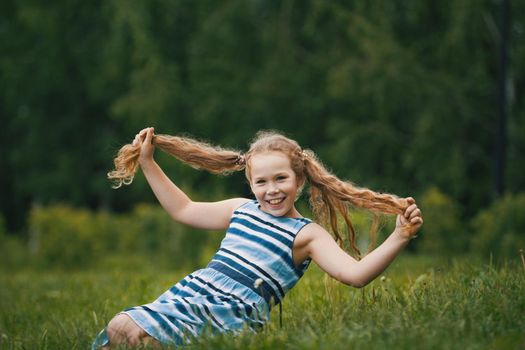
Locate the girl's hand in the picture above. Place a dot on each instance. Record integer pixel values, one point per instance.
(143, 138)
(409, 223)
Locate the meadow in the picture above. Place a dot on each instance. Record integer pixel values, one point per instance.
(418, 303)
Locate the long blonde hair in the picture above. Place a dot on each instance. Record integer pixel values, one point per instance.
(330, 197)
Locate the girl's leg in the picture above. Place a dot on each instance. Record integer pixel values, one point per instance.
(123, 330)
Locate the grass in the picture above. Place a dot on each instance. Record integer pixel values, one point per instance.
(420, 303)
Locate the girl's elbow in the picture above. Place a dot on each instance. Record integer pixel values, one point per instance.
(358, 284)
(353, 281)
(361, 284)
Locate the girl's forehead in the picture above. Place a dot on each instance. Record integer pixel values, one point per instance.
(269, 157)
(269, 161)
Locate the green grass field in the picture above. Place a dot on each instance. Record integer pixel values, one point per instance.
(419, 304)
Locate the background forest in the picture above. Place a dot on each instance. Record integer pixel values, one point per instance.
(398, 96)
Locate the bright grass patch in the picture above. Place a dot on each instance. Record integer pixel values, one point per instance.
(420, 303)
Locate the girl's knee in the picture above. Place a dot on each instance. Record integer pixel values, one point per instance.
(123, 330)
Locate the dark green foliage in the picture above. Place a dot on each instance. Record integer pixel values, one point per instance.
(62, 237)
(443, 232)
(500, 229)
(394, 95)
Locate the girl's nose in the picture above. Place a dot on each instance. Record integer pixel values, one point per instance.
(273, 189)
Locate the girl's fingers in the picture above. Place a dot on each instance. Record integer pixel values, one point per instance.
(412, 214)
(409, 211)
(149, 135)
(417, 221)
(415, 213)
(141, 136)
(146, 131)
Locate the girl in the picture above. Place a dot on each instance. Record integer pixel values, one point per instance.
(268, 243)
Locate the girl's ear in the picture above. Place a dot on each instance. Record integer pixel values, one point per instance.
(249, 180)
(301, 182)
(300, 187)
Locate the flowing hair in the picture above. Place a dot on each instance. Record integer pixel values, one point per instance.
(330, 197)
(197, 154)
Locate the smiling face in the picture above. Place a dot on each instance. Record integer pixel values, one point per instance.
(274, 183)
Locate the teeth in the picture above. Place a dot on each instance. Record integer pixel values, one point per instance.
(275, 201)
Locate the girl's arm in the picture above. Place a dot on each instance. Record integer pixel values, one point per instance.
(322, 248)
(210, 216)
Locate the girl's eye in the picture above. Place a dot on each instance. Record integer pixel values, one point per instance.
(281, 177)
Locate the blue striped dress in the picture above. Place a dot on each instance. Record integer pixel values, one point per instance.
(251, 272)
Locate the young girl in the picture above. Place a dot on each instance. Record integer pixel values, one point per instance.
(268, 243)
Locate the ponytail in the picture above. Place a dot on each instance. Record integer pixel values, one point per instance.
(321, 178)
(197, 154)
(331, 197)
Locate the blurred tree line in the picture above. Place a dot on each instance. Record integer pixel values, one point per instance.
(399, 96)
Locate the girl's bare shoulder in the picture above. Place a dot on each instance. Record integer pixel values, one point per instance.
(309, 233)
(236, 203)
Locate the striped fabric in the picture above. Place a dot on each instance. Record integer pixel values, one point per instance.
(251, 272)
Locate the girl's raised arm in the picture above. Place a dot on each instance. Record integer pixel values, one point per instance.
(210, 216)
(322, 248)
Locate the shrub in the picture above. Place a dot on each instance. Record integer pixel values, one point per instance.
(13, 250)
(500, 229)
(163, 240)
(62, 236)
(442, 231)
